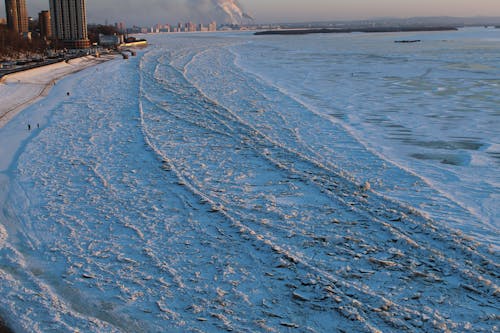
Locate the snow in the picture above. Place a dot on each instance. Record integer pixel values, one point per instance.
(24, 88)
(201, 187)
(19, 90)
(430, 108)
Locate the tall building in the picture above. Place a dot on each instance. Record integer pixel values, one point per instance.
(212, 26)
(45, 24)
(120, 26)
(17, 15)
(69, 23)
(190, 27)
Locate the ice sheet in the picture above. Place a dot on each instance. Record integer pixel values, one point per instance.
(201, 194)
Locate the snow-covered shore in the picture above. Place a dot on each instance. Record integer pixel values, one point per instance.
(19, 90)
(193, 196)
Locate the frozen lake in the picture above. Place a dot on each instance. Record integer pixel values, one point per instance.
(228, 182)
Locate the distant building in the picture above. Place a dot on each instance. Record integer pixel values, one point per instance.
(212, 26)
(190, 27)
(120, 26)
(69, 23)
(158, 27)
(110, 40)
(17, 15)
(45, 24)
(166, 28)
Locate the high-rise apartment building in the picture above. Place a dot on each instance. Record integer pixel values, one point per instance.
(190, 27)
(120, 26)
(212, 26)
(45, 24)
(17, 15)
(69, 23)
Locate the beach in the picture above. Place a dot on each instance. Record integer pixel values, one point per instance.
(18, 91)
(232, 182)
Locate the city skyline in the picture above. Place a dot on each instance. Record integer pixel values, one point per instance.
(275, 11)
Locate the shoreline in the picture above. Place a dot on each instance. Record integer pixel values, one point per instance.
(20, 90)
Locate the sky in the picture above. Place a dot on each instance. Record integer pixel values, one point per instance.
(148, 12)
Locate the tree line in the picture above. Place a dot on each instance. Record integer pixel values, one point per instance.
(14, 46)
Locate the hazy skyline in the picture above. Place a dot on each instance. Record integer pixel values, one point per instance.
(148, 12)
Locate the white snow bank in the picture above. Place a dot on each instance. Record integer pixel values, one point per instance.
(19, 90)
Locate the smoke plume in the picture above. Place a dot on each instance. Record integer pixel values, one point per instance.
(223, 11)
(233, 10)
(164, 11)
